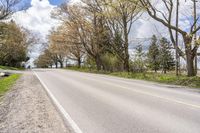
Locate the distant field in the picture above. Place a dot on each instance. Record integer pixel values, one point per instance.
(6, 83)
(10, 68)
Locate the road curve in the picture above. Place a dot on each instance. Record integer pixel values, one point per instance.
(106, 104)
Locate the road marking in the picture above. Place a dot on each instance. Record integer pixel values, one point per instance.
(62, 110)
(150, 94)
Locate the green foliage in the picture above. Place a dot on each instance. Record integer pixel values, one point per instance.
(117, 45)
(44, 60)
(139, 63)
(169, 78)
(10, 68)
(166, 59)
(111, 62)
(160, 78)
(13, 45)
(153, 55)
(6, 83)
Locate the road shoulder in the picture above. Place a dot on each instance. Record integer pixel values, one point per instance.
(27, 108)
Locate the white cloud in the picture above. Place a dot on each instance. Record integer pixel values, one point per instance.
(147, 26)
(74, 1)
(38, 20)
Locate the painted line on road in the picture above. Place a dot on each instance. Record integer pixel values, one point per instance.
(149, 94)
(74, 126)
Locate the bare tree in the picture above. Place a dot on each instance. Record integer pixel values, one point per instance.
(7, 8)
(90, 30)
(72, 41)
(166, 19)
(57, 48)
(121, 15)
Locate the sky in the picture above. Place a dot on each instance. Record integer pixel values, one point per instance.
(37, 19)
(52, 2)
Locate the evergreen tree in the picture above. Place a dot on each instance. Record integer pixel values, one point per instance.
(153, 54)
(166, 59)
(139, 61)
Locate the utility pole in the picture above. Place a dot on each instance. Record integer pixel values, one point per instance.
(177, 54)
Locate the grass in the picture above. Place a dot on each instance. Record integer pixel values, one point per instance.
(10, 68)
(6, 83)
(170, 78)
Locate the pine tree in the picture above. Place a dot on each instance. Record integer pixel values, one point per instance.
(166, 59)
(153, 54)
(139, 61)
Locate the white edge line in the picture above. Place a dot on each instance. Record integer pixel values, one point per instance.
(61, 109)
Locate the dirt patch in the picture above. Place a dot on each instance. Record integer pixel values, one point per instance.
(27, 108)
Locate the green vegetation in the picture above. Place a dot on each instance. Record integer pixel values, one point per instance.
(14, 44)
(169, 78)
(6, 83)
(92, 36)
(10, 68)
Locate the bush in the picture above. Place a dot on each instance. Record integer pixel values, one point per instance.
(111, 63)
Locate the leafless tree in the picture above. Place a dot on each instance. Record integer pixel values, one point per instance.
(166, 19)
(7, 8)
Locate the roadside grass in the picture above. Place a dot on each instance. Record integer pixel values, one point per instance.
(10, 68)
(170, 78)
(7, 82)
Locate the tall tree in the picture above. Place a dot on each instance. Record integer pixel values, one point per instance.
(13, 45)
(139, 61)
(153, 54)
(72, 41)
(166, 57)
(166, 19)
(91, 30)
(121, 14)
(57, 48)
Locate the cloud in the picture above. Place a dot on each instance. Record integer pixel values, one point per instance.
(37, 19)
(74, 1)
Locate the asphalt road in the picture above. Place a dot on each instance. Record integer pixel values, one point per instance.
(106, 104)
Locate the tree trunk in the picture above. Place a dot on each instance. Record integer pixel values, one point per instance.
(79, 62)
(61, 63)
(126, 61)
(126, 58)
(190, 64)
(165, 71)
(98, 62)
(189, 56)
(56, 64)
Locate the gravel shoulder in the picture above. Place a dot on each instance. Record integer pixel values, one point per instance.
(27, 108)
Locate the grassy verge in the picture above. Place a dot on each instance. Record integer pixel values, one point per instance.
(10, 68)
(6, 83)
(182, 80)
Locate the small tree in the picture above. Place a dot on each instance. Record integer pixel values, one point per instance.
(153, 54)
(166, 59)
(139, 61)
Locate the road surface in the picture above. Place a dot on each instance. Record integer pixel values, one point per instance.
(106, 104)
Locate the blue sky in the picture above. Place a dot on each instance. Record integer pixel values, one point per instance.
(53, 2)
(56, 2)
